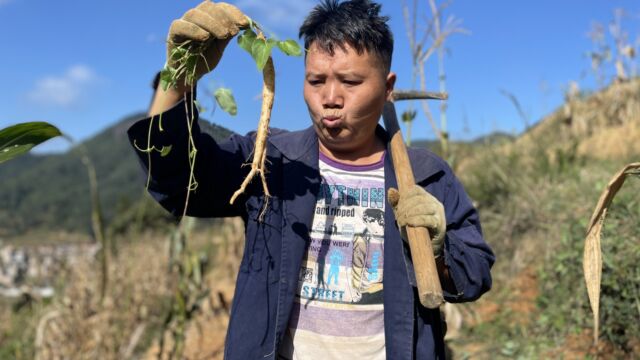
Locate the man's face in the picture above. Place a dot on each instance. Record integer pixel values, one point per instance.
(345, 93)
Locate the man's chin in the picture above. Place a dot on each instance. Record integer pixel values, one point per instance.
(337, 140)
(335, 134)
(337, 137)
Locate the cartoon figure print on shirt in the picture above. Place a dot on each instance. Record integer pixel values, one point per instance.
(365, 279)
(345, 256)
(338, 310)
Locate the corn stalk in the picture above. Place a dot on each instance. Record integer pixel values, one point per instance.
(432, 41)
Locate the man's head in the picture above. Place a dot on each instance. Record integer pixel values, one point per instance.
(356, 23)
(347, 75)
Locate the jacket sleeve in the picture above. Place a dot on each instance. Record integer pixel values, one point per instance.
(468, 257)
(218, 169)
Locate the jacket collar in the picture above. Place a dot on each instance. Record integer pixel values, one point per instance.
(293, 145)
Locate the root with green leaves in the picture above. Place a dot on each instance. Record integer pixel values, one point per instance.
(260, 150)
(260, 49)
(187, 57)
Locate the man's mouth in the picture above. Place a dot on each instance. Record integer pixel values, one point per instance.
(332, 122)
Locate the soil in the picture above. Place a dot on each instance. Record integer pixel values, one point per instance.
(525, 292)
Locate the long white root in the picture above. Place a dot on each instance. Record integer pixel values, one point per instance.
(260, 149)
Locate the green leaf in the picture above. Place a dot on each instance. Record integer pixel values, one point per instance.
(261, 50)
(224, 98)
(247, 39)
(166, 77)
(178, 53)
(19, 139)
(290, 47)
(199, 106)
(165, 150)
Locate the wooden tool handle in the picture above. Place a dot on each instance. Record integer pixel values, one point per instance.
(424, 264)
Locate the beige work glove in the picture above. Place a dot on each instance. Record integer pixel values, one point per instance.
(417, 208)
(208, 27)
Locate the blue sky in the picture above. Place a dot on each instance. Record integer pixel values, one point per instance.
(82, 65)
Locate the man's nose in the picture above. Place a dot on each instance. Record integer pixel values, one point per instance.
(332, 96)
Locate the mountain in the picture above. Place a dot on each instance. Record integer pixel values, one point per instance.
(51, 192)
(496, 137)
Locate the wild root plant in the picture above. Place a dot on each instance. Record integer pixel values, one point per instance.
(186, 57)
(260, 49)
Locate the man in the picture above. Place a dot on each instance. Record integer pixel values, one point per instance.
(325, 274)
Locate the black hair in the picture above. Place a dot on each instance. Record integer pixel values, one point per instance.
(354, 22)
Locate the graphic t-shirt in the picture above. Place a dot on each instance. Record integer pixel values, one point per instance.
(338, 308)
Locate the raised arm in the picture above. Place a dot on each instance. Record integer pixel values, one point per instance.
(184, 165)
(207, 28)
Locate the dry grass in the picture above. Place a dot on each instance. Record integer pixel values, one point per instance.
(79, 326)
(131, 320)
(601, 126)
(605, 124)
(206, 331)
(613, 143)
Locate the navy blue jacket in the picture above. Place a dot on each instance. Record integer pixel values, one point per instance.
(274, 248)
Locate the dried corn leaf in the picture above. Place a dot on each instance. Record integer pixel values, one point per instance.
(592, 260)
(592, 266)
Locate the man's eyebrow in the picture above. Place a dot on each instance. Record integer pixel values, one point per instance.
(347, 73)
(314, 74)
(341, 75)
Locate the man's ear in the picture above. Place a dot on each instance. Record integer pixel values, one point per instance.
(389, 83)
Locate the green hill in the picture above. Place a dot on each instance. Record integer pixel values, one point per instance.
(494, 138)
(51, 192)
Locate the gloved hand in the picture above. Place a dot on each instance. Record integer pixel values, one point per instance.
(417, 208)
(207, 27)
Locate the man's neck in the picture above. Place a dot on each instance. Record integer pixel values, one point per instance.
(370, 154)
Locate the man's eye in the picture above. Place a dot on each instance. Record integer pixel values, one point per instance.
(352, 82)
(314, 82)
